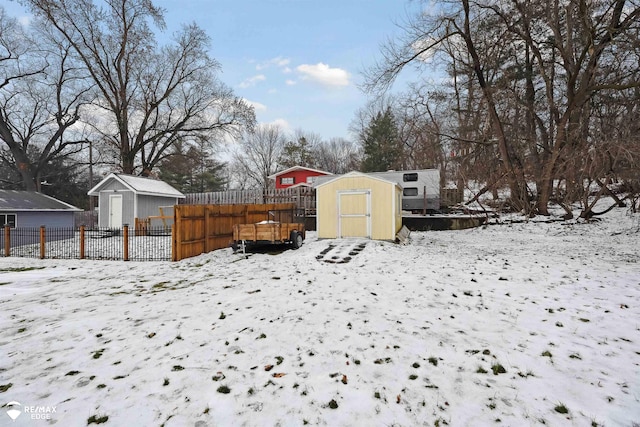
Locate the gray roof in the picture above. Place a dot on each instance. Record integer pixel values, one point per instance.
(139, 185)
(20, 201)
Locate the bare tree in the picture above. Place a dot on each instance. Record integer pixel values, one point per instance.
(538, 66)
(41, 95)
(151, 97)
(257, 156)
(338, 155)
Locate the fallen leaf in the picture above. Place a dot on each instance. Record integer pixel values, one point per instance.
(278, 375)
(398, 399)
(268, 368)
(151, 335)
(344, 379)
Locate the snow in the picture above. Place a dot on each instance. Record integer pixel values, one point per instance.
(392, 334)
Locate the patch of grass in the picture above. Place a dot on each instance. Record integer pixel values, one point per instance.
(433, 361)
(575, 356)
(376, 395)
(333, 404)
(582, 319)
(71, 373)
(177, 368)
(561, 409)
(251, 391)
(101, 386)
(381, 361)
(261, 337)
(223, 389)
(279, 360)
(222, 315)
(5, 387)
(413, 377)
(21, 330)
(98, 353)
(94, 419)
(166, 382)
(481, 370)
(498, 369)
(416, 365)
(546, 353)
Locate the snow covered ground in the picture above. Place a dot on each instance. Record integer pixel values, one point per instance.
(514, 324)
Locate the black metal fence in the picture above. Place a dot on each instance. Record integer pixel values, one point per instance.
(154, 244)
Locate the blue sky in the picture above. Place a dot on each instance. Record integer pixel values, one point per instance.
(299, 62)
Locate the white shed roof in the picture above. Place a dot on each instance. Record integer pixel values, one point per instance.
(139, 185)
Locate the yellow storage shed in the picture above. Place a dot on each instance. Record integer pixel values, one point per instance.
(358, 205)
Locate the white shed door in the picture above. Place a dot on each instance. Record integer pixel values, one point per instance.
(115, 210)
(354, 213)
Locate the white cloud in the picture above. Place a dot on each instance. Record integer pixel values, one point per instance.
(426, 43)
(323, 74)
(252, 81)
(286, 70)
(282, 124)
(277, 62)
(256, 105)
(25, 20)
(291, 82)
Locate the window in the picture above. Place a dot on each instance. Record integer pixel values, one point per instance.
(408, 177)
(287, 180)
(8, 220)
(410, 191)
(311, 179)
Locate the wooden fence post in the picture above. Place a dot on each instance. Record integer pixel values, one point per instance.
(206, 228)
(7, 240)
(125, 242)
(43, 239)
(82, 242)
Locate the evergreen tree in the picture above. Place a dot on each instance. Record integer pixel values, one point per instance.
(380, 143)
(297, 153)
(192, 170)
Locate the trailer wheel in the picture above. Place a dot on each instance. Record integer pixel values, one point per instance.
(296, 239)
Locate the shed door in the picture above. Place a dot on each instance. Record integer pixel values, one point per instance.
(115, 210)
(354, 213)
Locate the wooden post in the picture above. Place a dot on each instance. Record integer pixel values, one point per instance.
(43, 238)
(125, 242)
(177, 225)
(7, 240)
(206, 228)
(82, 242)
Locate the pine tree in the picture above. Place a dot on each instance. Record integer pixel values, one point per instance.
(380, 143)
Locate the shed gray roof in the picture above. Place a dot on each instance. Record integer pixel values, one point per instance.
(139, 185)
(20, 201)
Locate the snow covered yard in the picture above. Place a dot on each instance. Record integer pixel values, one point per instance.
(523, 324)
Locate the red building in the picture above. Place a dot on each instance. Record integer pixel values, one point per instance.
(296, 176)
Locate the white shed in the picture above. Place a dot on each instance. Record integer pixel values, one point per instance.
(123, 198)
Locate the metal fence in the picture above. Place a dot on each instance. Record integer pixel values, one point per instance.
(97, 243)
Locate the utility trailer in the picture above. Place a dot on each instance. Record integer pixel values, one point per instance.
(285, 226)
(267, 232)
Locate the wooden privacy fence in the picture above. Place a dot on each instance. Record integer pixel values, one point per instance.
(203, 228)
(303, 197)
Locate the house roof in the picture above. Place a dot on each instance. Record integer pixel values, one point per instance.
(22, 201)
(295, 168)
(358, 174)
(139, 185)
